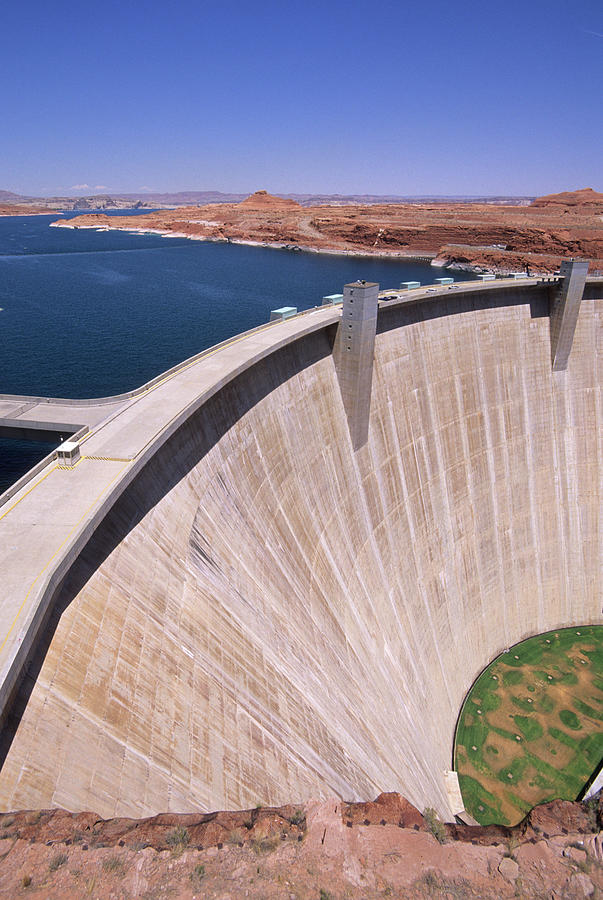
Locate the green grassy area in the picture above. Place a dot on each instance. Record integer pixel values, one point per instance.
(530, 729)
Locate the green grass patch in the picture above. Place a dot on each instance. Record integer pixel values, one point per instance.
(587, 710)
(509, 660)
(592, 748)
(570, 719)
(484, 801)
(490, 702)
(596, 658)
(564, 738)
(546, 704)
(531, 729)
(507, 735)
(564, 780)
(514, 772)
(504, 776)
(524, 703)
(543, 783)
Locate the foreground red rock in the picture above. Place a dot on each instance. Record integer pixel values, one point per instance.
(466, 235)
(314, 851)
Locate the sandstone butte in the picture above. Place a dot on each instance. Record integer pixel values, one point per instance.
(475, 236)
(319, 850)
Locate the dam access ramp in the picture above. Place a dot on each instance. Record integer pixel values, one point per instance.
(223, 548)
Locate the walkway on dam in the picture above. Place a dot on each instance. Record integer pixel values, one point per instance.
(33, 416)
(48, 520)
(44, 525)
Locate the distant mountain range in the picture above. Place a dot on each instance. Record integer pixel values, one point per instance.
(99, 201)
(203, 198)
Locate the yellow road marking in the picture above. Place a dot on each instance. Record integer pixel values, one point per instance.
(108, 458)
(69, 468)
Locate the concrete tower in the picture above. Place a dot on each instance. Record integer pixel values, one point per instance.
(353, 354)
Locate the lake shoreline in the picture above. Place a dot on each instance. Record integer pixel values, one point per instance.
(425, 257)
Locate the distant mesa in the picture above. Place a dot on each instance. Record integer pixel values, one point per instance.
(584, 197)
(264, 200)
(105, 203)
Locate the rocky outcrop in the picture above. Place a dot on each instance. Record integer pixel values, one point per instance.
(264, 200)
(10, 209)
(585, 198)
(105, 203)
(14, 204)
(487, 259)
(464, 235)
(318, 850)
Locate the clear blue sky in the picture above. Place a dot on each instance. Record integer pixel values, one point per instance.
(352, 97)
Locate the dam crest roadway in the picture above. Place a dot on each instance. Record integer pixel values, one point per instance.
(222, 592)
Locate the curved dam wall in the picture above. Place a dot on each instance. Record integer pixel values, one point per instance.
(266, 615)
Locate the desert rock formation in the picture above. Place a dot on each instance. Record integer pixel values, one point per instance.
(264, 200)
(572, 199)
(469, 235)
(316, 851)
(10, 209)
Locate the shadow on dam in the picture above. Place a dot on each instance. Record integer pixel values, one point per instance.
(265, 615)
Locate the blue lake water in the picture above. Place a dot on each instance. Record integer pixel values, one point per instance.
(88, 314)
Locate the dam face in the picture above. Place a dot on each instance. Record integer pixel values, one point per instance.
(267, 615)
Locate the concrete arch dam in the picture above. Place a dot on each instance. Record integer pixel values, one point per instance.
(251, 611)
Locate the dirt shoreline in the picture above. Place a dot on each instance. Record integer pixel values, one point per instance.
(424, 257)
(476, 238)
(21, 215)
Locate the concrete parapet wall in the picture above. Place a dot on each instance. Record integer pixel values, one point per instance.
(136, 392)
(14, 489)
(24, 430)
(263, 615)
